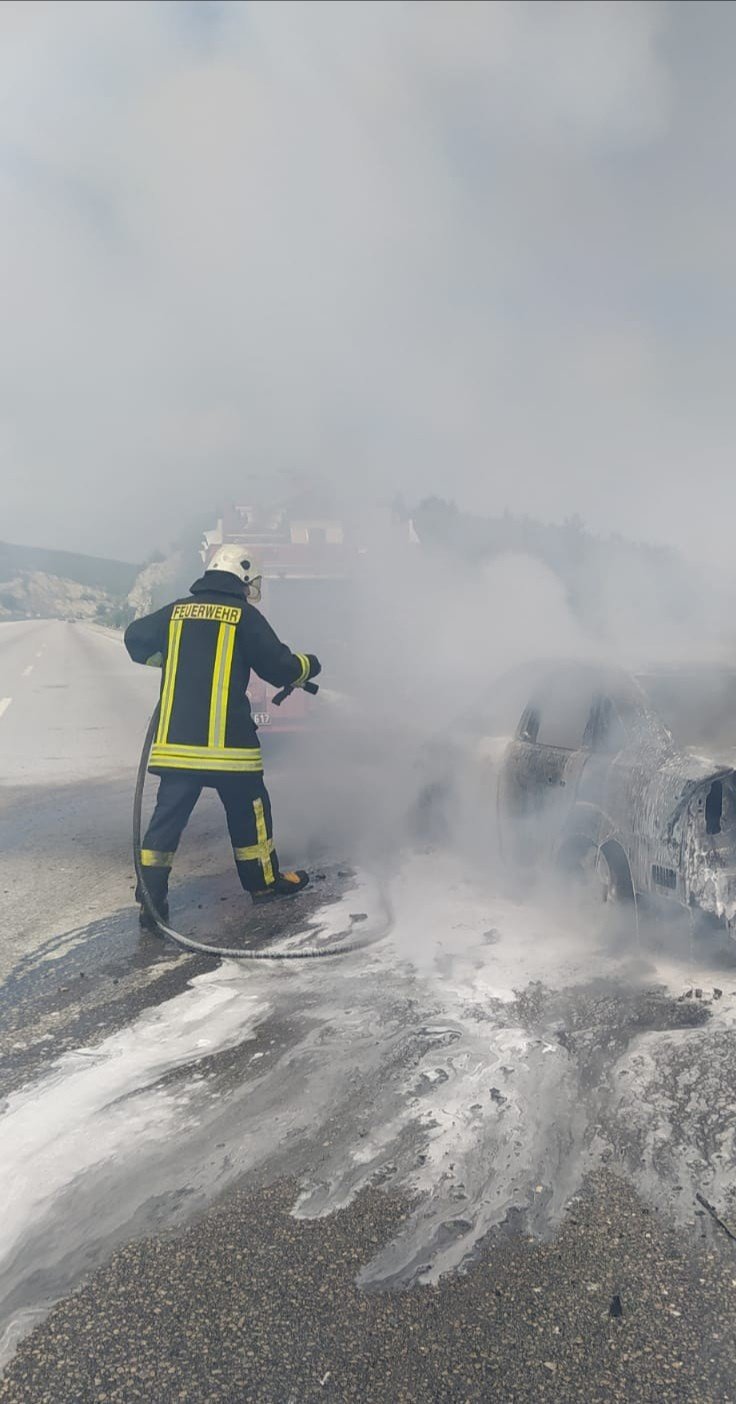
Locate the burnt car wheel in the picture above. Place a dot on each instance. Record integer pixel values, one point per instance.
(600, 871)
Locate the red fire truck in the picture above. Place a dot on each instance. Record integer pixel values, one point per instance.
(308, 570)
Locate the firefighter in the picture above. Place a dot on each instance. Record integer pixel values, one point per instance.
(206, 645)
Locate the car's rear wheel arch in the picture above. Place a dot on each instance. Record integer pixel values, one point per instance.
(619, 867)
(581, 852)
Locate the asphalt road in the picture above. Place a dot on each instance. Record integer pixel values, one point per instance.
(463, 1164)
(73, 714)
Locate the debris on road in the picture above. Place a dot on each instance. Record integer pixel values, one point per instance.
(716, 1216)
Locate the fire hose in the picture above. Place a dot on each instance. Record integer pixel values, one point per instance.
(186, 942)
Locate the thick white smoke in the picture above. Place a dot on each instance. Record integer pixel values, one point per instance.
(434, 246)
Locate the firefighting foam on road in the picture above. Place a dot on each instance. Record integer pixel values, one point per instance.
(493, 1048)
(484, 1057)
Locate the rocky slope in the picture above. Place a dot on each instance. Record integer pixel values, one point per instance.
(35, 594)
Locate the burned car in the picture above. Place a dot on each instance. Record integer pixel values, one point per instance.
(594, 782)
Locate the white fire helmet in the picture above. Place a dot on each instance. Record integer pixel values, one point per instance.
(238, 560)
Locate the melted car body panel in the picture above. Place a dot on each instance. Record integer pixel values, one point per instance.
(615, 781)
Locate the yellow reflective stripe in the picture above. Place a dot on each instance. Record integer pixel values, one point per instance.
(167, 691)
(305, 669)
(261, 851)
(209, 752)
(216, 694)
(206, 758)
(172, 663)
(263, 842)
(255, 852)
(151, 858)
(226, 674)
(205, 761)
(221, 684)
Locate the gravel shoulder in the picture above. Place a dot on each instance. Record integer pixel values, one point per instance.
(251, 1304)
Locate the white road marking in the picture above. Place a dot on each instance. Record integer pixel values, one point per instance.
(4, 704)
(27, 670)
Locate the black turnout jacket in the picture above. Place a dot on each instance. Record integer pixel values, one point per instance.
(206, 645)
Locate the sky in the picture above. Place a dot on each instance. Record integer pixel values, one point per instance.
(484, 251)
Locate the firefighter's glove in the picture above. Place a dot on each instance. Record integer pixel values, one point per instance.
(310, 667)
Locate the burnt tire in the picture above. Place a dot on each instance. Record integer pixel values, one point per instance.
(602, 871)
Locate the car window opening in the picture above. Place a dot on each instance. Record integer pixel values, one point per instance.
(714, 808)
(562, 719)
(529, 725)
(603, 731)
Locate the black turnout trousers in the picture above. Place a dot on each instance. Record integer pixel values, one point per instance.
(248, 810)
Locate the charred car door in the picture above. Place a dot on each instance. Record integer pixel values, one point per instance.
(540, 775)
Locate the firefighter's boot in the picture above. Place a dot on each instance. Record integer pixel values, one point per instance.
(286, 885)
(157, 886)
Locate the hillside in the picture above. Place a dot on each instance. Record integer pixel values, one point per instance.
(94, 572)
(38, 583)
(35, 595)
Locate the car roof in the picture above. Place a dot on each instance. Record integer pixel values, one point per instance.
(594, 679)
(564, 695)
